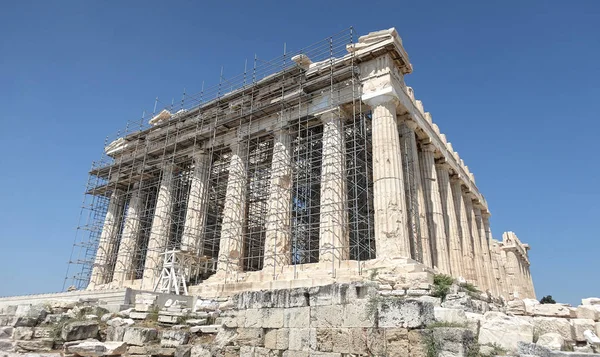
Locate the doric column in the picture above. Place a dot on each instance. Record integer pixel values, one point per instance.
(391, 233)
(231, 245)
(484, 249)
(195, 214)
(496, 265)
(484, 225)
(476, 242)
(451, 221)
(466, 246)
(435, 214)
(101, 272)
(160, 230)
(415, 202)
(512, 271)
(124, 266)
(334, 241)
(278, 234)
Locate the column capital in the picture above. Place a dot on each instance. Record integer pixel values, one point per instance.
(443, 165)
(329, 115)
(411, 124)
(387, 96)
(428, 147)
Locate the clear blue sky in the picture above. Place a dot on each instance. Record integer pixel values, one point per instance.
(513, 84)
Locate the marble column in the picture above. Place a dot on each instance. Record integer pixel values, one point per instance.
(451, 220)
(415, 201)
(334, 243)
(124, 266)
(496, 264)
(476, 242)
(278, 226)
(435, 213)
(466, 246)
(484, 249)
(160, 230)
(512, 272)
(101, 271)
(231, 244)
(391, 233)
(487, 237)
(192, 239)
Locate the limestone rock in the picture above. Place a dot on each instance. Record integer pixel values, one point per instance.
(22, 333)
(552, 310)
(579, 327)
(530, 305)
(174, 338)
(200, 351)
(544, 325)
(552, 341)
(590, 301)
(591, 312)
(407, 313)
(79, 330)
(506, 331)
(139, 336)
(30, 315)
(115, 333)
(6, 332)
(97, 348)
(45, 344)
(183, 351)
(443, 314)
(6, 345)
(516, 307)
(453, 341)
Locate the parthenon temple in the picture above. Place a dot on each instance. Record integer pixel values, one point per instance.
(314, 167)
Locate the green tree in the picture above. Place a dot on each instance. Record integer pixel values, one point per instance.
(547, 300)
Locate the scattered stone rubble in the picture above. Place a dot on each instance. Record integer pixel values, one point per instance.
(357, 319)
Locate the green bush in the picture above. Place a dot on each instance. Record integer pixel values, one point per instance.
(547, 300)
(441, 285)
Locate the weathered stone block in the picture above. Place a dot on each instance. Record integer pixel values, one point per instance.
(506, 331)
(368, 341)
(115, 333)
(579, 327)
(458, 301)
(30, 315)
(174, 338)
(139, 336)
(200, 351)
(588, 312)
(443, 314)
(97, 349)
(396, 340)
(408, 313)
(297, 317)
(590, 301)
(6, 345)
(544, 325)
(79, 330)
(6, 332)
(40, 345)
(272, 318)
(183, 351)
(551, 310)
(250, 336)
(516, 307)
(302, 339)
(326, 315)
(253, 318)
(356, 314)
(452, 341)
(23, 333)
(328, 294)
(552, 341)
(44, 332)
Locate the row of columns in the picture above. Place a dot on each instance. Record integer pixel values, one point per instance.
(422, 210)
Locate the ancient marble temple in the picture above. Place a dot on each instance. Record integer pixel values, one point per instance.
(324, 168)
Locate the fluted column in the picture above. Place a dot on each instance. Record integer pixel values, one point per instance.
(391, 234)
(231, 245)
(333, 224)
(415, 201)
(466, 246)
(435, 214)
(486, 234)
(124, 266)
(496, 266)
(278, 234)
(160, 230)
(195, 214)
(451, 220)
(476, 242)
(512, 272)
(106, 246)
(485, 250)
